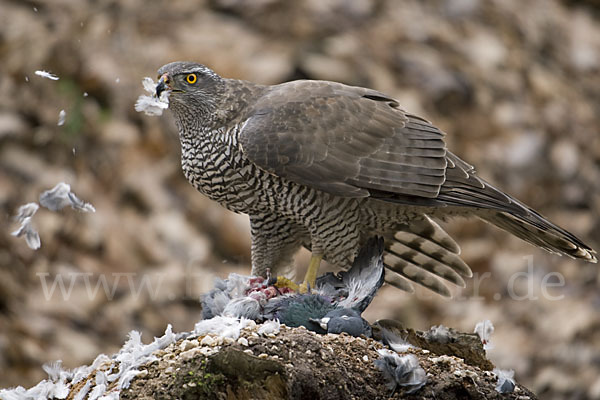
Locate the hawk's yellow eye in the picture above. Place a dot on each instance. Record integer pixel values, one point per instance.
(191, 78)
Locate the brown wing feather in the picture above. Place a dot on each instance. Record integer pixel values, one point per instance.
(357, 142)
(344, 140)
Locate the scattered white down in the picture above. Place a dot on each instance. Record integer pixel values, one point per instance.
(270, 327)
(62, 115)
(400, 370)
(55, 387)
(47, 75)
(61, 196)
(506, 380)
(395, 342)
(54, 199)
(226, 327)
(132, 355)
(438, 333)
(485, 329)
(152, 105)
(26, 229)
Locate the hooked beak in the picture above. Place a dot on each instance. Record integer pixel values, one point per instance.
(163, 84)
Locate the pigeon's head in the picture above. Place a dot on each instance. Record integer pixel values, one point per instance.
(191, 85)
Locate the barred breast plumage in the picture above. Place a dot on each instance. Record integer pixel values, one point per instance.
(325, 166)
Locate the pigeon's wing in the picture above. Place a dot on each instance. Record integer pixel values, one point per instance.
(356, 287)
(345, 140)
(366, 275)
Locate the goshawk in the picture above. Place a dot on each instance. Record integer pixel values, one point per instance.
(326, 166)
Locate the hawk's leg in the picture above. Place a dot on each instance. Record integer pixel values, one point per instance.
(275, 240)
(311, 274)
(335, 237)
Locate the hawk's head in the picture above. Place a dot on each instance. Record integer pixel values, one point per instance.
(190, 84)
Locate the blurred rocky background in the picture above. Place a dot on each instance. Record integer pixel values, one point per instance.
(515, 84)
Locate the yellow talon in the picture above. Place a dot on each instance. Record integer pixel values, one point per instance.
(311, 274)
(309, 279)
(285, 282)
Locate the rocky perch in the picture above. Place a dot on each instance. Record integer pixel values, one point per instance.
(229, 358)
(326, 350)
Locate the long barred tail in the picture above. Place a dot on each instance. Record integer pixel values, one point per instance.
(537, 230)
(465, 189)
(422, 251)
